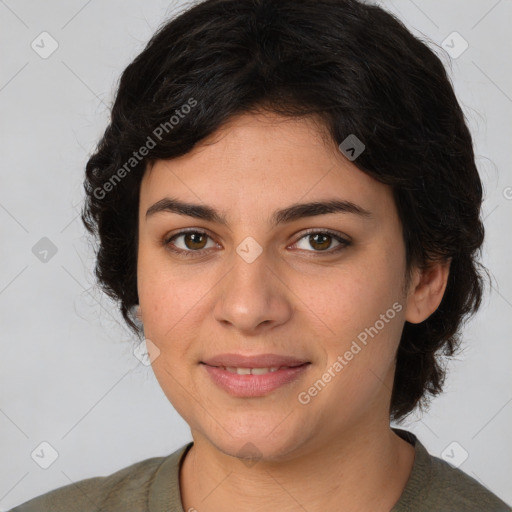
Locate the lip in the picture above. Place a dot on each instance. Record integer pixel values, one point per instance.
(251, 386)
(254, 361)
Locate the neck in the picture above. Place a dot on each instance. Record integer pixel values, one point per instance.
(362, 469)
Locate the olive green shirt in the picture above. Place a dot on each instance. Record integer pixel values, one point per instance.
(152, 485)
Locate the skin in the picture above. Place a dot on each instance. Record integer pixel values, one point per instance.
(296, 298)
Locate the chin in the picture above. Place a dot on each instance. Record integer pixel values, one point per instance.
(256, 444)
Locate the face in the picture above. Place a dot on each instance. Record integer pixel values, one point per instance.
(316, 292)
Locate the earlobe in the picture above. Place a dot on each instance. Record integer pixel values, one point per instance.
(427, 291)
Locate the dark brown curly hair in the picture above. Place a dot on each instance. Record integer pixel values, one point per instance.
(362, 72)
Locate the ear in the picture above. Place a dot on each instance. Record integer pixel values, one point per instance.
(426, 291)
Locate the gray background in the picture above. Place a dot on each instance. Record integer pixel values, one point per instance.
(68, 375)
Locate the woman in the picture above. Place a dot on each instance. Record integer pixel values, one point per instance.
(288, 211)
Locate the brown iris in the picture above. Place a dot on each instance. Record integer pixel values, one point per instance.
(315, 242)
(195, 240)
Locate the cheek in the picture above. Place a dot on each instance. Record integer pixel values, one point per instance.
(361, 309)
(350, 299)
(170, 299)
(172, 307)
(365, 319)
(171, 310)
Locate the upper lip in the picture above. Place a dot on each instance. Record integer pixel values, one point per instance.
(255, 361)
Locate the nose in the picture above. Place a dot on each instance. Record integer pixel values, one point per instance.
(253, 296)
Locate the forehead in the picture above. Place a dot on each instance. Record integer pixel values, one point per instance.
(263, 161)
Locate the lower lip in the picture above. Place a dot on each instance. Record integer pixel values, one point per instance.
(247, 386)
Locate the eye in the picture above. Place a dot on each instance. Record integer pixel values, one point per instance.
(322, 240)
(193, 241)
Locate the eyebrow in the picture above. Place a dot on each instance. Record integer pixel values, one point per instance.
(286, 215)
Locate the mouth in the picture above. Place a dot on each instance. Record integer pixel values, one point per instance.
(253, 376)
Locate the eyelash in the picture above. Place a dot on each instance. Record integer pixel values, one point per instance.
(190, 253)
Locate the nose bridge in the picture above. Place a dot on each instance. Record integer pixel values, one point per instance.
(251, 294)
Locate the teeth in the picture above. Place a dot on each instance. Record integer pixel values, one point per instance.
(260, 371)
(252, 371)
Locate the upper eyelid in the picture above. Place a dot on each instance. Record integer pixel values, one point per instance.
(168, 238)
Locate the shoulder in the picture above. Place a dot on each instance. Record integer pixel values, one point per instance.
(459, 491)
(436, 485)
(126, 489)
